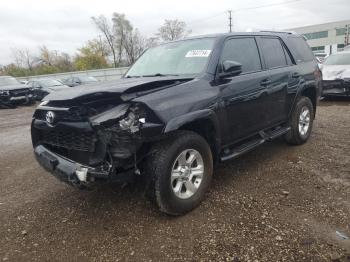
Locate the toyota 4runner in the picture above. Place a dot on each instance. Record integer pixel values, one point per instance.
(182, 107)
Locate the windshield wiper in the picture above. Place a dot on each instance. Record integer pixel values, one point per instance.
(132, 76)
(159, 74)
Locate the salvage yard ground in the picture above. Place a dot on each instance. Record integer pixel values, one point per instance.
(277, 203)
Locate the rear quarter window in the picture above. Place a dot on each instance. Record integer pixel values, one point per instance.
(299, 49)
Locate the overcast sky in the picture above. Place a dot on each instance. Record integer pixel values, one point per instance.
(65, 25)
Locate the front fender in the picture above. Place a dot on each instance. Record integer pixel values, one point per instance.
(203, 114)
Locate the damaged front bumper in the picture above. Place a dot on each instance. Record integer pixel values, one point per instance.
(84, 150)
(67, 170)
(339, 87)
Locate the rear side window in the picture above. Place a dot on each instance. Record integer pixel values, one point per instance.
(299, 49)
(273, 52)
(243, 51)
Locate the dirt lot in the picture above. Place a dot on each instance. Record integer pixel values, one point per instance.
(277, 203)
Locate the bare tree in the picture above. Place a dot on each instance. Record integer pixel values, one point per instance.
(104, 26)
(64, 62)
(24, 58)
(47, 56)
(135, 44)
(172, 30)
(122, 29)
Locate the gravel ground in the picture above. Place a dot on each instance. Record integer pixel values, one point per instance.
(277, 203)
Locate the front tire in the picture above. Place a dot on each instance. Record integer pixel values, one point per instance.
(180, 169)
(301, 122)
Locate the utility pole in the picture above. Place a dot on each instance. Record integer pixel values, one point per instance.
(230, 19)
(346, 42)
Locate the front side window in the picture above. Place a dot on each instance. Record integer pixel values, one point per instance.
(186, 57)
(273, 52)
(87, 79)
(50, 82)
(243, 51)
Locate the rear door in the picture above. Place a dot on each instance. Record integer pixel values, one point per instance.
(278, 63)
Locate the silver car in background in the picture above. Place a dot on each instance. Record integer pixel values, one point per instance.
(336, 75)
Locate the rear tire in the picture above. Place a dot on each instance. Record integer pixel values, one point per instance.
(180, 169)
(301, 122)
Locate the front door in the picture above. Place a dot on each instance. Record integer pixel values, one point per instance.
(244, 96)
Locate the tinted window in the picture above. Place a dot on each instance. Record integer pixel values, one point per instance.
(243, 51)
(273, 52)
(299, 49)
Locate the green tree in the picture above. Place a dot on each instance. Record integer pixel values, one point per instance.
(90, 56)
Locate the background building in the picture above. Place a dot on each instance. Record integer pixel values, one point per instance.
(326, 38)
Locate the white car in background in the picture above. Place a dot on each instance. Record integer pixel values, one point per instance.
(336, 75)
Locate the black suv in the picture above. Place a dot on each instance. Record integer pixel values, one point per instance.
(13, 93)
(182, 107)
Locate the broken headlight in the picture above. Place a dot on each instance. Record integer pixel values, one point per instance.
(133, 120)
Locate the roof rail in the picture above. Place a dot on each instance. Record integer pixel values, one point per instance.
(279, 32)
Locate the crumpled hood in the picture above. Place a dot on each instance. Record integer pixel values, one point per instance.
(123, 85)
(13, 87)
(335, 72)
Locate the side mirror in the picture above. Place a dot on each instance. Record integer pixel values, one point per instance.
(230, 68)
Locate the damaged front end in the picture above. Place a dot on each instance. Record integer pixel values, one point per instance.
(103, 140)
(336, 80)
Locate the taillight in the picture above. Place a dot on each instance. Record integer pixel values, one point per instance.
(318, 74)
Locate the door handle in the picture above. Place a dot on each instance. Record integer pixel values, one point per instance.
(265, 82)
(295, 75)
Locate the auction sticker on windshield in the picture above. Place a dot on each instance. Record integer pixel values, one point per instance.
(198, 53)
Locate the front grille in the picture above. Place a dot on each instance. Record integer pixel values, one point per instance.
(59, 115)
(70, 140)
(19, 92)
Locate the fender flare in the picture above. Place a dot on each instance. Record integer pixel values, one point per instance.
(300, 90)
(204, 114)
(176, 122)
(302, 87)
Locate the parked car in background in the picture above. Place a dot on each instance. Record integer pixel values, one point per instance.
(336, 75)
(79, 80)
(44, 86)
(13, 93)
(180, 108)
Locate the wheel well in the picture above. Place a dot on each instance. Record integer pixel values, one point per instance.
(206, 129)
(311, 94)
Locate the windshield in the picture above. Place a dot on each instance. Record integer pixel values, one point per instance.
(177, 58)
(87, 79)
(7, 81)
(50, 82)
(338, 59)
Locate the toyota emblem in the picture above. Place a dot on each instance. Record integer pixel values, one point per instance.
(50, 117)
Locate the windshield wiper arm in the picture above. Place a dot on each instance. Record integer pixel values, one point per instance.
(132, 76)
(159, 74)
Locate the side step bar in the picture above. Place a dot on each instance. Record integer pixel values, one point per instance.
(248, 146)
